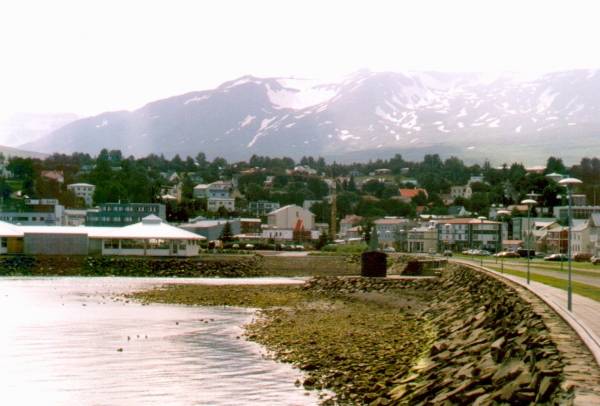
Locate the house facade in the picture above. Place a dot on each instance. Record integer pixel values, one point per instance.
(422, 239)
(150, 237)
(391, 230)
(262, 207)
(469, 233)
(122, 214)
(214, 203)
(84, 191)
(464, 192)
(287, 217)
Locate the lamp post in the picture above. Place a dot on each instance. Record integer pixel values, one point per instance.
(481, 220)
(530, 203)
(569, 182)
(502, 213)
(447, 226)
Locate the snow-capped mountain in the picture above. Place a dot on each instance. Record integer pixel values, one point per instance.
(503, 117)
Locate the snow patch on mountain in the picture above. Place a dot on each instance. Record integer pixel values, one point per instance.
(247, 120)
(299, 94)
(196, 99)
(104, 123)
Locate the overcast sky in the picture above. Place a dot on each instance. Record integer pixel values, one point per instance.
(89, 56)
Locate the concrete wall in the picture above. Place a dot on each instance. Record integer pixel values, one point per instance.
(56, 244)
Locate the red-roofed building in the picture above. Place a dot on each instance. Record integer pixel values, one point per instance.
(54, 175)
(406, 195)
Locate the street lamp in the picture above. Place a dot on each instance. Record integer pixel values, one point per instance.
(481, 220)
(530, 203)
(447, 237)
(502, 214)
(569, 182)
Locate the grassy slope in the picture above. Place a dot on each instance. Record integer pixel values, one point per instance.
(582, 289)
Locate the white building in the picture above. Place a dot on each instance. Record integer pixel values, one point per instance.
(580, 238)
(83, 190)
(214, 203)
(391, 230)
(74, 217)
(461, 191)
(287, 217)
(150, 237)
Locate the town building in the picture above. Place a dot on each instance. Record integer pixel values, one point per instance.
(580, 238)
(348, 222)
(84, 191)
(74, 217)
(262, 207)
(150, 237)
(219, 189)
(122, 214)
(579, 212)
(287, 217)
(57, 176)
(211, 229)
(214, 203)
(407, 195)
(464, 192)
(557, 240)
(469, 233)
(46, 212)
(422, 239)
(392, 230)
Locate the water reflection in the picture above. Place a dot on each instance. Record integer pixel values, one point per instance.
(66, 341)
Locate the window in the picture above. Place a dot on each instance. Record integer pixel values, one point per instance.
(3, 242)
(132, 244)
(156, 243)
(111, 244)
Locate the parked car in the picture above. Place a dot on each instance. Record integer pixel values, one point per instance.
(389, 249)
(523, 252)
(556, 257)
(447, 253)
(471, 252)
(595, 260)
(250, 246)
(582, 256)
(508, 254)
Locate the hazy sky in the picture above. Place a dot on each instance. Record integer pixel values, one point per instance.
(91, 56)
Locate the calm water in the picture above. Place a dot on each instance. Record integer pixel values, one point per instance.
(59, 342)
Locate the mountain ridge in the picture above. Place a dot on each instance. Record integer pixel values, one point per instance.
(475, 116)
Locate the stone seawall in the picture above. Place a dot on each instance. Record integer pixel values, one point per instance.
(490, 347)
(57, 265)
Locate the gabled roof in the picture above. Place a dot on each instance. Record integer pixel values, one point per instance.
(289, 206)
(411, 193)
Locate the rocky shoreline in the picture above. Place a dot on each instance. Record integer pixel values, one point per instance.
(463, 338)
(58, 265)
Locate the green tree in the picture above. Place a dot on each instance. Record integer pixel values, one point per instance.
(226, 234)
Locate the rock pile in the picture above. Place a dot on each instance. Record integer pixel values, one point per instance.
(490, 348)
(131, 266)
(345, 285)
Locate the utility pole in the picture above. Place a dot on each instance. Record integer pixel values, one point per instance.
(333, 222)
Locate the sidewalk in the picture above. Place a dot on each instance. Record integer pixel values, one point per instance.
(585, 318)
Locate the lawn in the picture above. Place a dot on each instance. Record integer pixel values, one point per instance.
(579, 288)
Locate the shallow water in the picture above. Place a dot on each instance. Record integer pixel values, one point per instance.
(60, 338)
